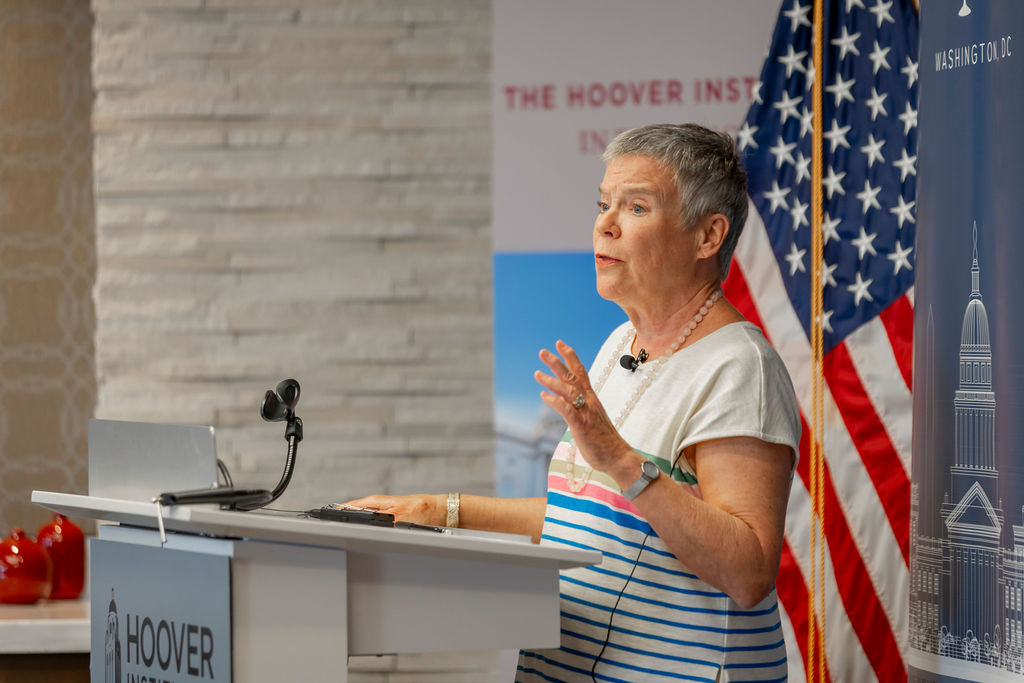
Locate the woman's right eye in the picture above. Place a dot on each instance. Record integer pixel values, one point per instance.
(603, 206)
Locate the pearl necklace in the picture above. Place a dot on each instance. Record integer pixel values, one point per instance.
(576, 484)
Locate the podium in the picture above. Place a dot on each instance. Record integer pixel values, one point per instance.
(198, 593)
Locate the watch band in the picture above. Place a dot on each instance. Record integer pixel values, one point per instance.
(648, 473)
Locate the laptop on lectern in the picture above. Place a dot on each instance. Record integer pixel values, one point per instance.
(138, 460)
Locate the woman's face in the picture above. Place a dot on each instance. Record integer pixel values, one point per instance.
(642, 253)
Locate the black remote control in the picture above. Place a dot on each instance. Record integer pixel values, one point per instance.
(334, 514)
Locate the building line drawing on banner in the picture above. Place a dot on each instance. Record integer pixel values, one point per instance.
(967, 584)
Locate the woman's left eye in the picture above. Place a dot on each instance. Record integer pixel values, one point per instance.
(638, 210)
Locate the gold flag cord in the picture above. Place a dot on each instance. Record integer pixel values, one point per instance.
(816, 661)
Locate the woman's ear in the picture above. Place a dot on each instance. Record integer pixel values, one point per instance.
(712, 233)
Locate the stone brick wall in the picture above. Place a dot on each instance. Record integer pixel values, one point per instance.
(302, 188)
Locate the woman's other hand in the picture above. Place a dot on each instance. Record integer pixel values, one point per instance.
(429, 509)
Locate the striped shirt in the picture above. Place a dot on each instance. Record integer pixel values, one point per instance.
(668, 625)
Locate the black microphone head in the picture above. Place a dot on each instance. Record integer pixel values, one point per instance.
(272, 409)
(628, 362)
(288, 391)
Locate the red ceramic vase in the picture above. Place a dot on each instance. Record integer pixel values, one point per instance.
(26, 571)
(65, 543)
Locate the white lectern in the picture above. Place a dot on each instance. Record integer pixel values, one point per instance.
(297, 596)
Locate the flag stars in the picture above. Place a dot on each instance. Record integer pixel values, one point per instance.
(879, 59)
(745, 136)
(806, 122)
(826, 321)
(799, 214)
(874, 150)
(850, 4)
(803, 167)
(795, 259)
(783, 152)
(777, 196)
(863, 243)
(846, 43)
(876, 103)
(869, 197)
(881, 12)
(810, 77)
(837, 135)
(904, 211)
(793, 60)
(755, 92)
(910, 71)
(906, 164)
(899, 259)
(787, 106)
(909, 118)
(826, 274)
(828, 229)
(797, 16)
(859, 289)
(841, 89)
(834, 182)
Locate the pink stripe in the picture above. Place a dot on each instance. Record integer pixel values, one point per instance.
(558, 482)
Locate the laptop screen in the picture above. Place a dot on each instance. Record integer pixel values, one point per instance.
(138, 460)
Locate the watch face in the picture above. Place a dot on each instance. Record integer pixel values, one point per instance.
(649, 469)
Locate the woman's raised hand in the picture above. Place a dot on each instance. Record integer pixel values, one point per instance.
(569, 392)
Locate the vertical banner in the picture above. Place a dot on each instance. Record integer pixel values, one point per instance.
(568, 76)
(967, 519)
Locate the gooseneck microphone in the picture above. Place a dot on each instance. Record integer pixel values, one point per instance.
(631, 363)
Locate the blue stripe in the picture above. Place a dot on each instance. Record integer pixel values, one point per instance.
(744, 665)
(669, 605)
(641, 669)
(780, 679)
(676, 641)
(736, 613)
(561, 665)
(600, 510)
(621, 558)
(614, 538)
(654, 584)
(680, 625)
(645, 653)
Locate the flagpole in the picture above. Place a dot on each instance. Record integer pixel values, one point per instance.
(816, 604)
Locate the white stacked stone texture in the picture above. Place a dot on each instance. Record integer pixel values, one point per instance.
(302, 189)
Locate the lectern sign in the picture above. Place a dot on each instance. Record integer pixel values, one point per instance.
(158, 615)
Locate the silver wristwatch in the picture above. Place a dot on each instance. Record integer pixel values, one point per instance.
(648, 473)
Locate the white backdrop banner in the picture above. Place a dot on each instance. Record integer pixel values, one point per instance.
(568, 76)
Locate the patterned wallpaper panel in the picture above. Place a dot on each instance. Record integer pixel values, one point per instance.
(47, 253)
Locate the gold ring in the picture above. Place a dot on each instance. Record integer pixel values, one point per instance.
(578, 402)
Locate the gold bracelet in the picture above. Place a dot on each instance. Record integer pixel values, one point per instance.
(452, 520)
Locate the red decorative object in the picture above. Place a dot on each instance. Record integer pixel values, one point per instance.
(26, 571)
(65, 543)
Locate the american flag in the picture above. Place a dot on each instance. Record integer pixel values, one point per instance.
(869, 177)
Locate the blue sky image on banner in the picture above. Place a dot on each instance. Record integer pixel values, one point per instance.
(538, 299)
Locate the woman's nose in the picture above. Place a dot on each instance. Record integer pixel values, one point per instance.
(606, 224)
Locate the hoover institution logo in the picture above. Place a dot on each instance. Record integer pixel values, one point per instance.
(181, 650)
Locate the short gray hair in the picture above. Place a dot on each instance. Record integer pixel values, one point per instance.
(707, 169)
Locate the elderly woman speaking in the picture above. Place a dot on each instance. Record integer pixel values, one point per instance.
(681, 443)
